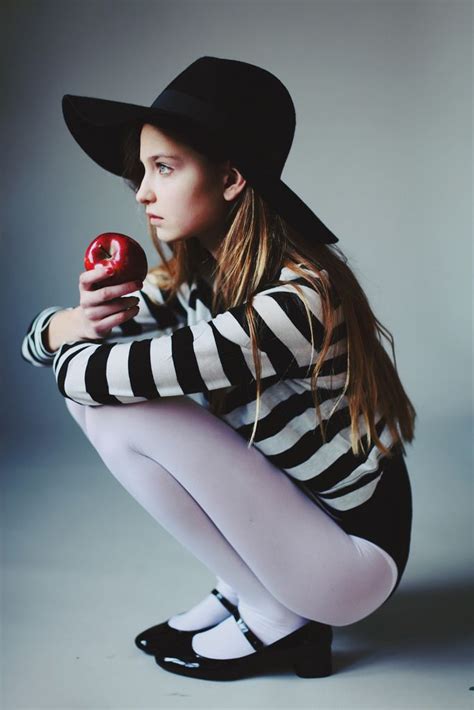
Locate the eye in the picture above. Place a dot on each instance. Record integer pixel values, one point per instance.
(158, 165)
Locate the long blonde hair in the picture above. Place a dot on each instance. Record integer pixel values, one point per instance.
(257, 243)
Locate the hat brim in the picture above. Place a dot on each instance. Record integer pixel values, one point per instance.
(100, 127)
(292, 208)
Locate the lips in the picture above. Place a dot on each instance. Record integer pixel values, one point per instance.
(154, 216)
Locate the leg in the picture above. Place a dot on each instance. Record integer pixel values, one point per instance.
(208, 611)
(77, 412)
(256, 528)
(165, 499)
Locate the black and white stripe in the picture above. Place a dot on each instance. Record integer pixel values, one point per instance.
(183, 350)
(153, 318)
(33, 347)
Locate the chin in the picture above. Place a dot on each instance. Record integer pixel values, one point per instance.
(171, 238)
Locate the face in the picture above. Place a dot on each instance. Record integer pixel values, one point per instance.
(190, 195)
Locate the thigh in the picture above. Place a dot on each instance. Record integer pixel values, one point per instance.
(298, 552)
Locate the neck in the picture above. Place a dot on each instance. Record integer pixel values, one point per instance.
(206, 268)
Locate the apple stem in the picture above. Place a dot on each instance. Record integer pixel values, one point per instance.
(106, 252)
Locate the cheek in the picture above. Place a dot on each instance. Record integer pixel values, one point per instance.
(181, 195)
(197, 204)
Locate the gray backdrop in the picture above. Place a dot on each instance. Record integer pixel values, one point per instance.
(382, 153)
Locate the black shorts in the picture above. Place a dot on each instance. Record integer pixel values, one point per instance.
(386, 518)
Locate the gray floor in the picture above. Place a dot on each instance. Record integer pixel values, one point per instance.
(85, 568)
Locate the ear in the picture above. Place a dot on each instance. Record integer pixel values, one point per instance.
(234, 182)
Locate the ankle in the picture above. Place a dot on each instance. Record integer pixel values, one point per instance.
(208, 612)
(228, 591)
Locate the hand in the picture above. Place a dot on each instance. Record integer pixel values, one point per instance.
(102, 308)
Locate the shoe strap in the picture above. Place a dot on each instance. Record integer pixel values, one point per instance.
(223, 600)
(249, 635)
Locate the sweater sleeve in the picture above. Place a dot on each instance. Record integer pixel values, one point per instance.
(210, 354)
(33, 347)
(153, 317)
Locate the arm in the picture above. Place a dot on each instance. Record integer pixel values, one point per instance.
(35, 345)
(208, 355)
(151, 319)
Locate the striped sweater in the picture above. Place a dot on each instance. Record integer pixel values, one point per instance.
(181, 349)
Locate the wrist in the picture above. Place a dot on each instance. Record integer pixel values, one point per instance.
(64, 327)
(76, 321)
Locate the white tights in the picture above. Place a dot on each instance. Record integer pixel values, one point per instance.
(242, 517)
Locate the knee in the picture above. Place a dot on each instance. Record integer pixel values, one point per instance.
(106, 429)
(117, 431)
(78, 413)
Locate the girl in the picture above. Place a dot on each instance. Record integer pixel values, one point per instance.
(242, 395)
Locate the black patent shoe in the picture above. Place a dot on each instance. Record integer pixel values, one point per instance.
(165, 637)
(307, 651)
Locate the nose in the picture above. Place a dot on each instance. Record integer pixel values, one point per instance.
(144, 193)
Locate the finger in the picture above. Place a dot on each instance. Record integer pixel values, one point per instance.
(88, 278)
(108, 293)
(107, 324)
(96, 313)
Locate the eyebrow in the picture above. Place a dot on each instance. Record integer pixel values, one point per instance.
(166, 157)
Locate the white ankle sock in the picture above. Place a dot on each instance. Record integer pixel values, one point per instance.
(206, 612)
(226, 640)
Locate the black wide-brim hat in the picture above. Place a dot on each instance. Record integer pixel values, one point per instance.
(239, 106)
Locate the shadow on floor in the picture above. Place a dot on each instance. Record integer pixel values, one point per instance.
(430, 621)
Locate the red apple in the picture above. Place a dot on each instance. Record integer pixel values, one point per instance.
(116, 250)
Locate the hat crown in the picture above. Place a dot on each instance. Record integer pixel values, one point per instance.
(248, 107)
